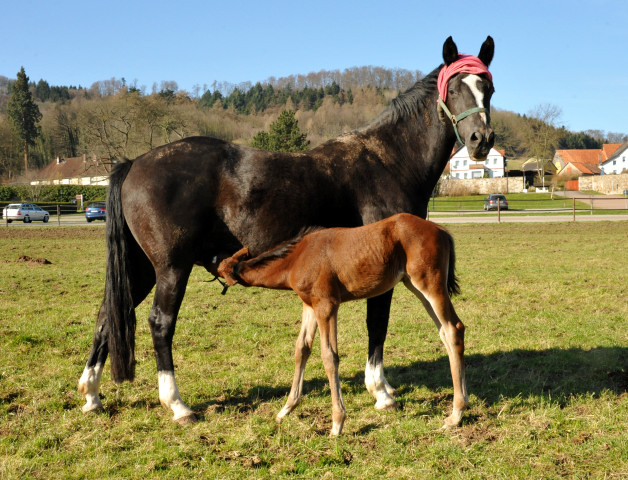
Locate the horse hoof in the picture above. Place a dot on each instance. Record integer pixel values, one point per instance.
(386, 405)
(187, 420)
(92, 408)
(452, 421)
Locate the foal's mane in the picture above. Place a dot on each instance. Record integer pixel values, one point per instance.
(281, 250)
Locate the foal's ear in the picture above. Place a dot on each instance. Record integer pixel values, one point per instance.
(450, 51)
(487, 50)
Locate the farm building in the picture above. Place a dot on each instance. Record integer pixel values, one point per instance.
(73, 171)
(617, 162)
(583, 161)
(462, 166)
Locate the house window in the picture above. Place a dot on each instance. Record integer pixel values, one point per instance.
(464, 163)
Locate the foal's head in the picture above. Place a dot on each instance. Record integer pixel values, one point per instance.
(466, 87)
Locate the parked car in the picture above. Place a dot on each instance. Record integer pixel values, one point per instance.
(25, 212)
(96, 211)
(492, 201)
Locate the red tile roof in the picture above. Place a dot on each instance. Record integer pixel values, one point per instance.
(592, 156)
(584, 168)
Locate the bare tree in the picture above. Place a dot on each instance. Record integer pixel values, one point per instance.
(542, 135)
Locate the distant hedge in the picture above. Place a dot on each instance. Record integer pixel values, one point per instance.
(51, 193)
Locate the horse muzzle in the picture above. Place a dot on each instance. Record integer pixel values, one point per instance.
(480, 142)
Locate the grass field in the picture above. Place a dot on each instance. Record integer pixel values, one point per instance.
(546, 311)
(516, 201)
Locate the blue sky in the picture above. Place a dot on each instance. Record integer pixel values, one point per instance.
(572, 54)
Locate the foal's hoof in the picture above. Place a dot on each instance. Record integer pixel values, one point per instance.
(187, 420)
(92, 408)
(386, 405)
(453, 420)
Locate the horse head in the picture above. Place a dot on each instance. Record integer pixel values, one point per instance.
(465, 88)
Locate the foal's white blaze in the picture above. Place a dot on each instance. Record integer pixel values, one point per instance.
(472, 82)
(89, 384)
(169, 396)
(377, 386)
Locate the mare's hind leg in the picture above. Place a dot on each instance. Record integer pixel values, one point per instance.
(451, 331)
(89, 383)
(162, 320)
(302, 352)
(377, 313)
(327, 318)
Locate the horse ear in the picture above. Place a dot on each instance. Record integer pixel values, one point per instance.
(450, 51)
(487, 51)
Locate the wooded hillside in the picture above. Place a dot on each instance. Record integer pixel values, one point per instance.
(112, 119)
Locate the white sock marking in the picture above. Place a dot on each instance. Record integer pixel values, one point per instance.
(169, 395)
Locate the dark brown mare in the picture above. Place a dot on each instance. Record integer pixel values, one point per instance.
(332, 266)
(200, 199)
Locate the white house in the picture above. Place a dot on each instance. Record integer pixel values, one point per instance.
(617, 162)
(461, 165)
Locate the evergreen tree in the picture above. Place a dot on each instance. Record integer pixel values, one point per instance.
(23, 114)
(283, 135)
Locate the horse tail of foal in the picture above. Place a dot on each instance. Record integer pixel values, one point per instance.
(118, 296)
(453, 287)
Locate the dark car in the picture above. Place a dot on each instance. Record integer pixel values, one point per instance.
(96, 211)
(495, 201)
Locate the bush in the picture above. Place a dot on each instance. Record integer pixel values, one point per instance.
(51, 193)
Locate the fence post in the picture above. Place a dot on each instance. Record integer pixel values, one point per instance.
(574, 208)
(499, 211)
(58, 216)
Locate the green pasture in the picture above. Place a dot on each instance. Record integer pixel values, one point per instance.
(546, 311)
(516, 201)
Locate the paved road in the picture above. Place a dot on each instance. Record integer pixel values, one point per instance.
(65, 221)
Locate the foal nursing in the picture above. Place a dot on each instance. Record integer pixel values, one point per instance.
(328, 267)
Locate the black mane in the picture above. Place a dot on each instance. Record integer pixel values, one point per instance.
(411, 102)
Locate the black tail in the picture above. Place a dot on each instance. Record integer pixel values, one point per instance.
(453, 287)
(118, 296)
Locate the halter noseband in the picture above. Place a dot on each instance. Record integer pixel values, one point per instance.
(456, 118)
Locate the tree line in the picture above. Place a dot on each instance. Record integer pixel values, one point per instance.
(115, 119)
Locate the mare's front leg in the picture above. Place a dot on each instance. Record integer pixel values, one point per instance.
(377, 314)
(162, 320)
(89, 383)
(327, 318)
(302, 352)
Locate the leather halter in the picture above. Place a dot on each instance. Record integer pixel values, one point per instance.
(456, 118)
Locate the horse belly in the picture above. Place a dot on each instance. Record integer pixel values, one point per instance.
(367, 283)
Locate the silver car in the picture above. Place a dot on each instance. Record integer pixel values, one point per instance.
(24, 212)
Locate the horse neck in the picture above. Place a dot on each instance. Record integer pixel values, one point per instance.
(421, 143)
(272, 273)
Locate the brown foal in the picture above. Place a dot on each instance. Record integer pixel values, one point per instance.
(328, 267)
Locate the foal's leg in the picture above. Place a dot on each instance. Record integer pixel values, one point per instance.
(327, 318)
(162, 320)
(302, 352)
(451, 331)
(377, 313)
